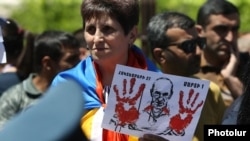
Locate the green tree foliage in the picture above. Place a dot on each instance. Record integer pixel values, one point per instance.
(244, 9)
(39, 15)
(190, 7)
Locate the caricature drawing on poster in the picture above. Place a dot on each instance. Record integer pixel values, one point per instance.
(142, 102)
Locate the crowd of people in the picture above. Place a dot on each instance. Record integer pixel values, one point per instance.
(207, 49)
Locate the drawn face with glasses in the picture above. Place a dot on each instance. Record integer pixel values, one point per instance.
(189, 46)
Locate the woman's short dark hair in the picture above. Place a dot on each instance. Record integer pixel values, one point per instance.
(126, 12)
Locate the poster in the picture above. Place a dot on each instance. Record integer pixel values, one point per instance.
(142, 102)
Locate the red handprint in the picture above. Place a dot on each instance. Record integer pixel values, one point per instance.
(131, 114)
(177, 123)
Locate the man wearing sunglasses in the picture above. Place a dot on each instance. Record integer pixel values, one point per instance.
(219, 22)
(175, 44)
(176, 48)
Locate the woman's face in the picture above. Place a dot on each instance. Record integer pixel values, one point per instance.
(106, 40)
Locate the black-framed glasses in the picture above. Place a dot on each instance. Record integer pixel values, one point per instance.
(189, 46)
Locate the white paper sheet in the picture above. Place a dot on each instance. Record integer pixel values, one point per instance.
(171, 109)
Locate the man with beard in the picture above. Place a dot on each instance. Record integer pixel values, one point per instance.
(219, 22)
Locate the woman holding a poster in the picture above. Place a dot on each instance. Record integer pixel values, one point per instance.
(110, 30)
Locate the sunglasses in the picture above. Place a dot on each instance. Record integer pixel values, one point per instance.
(189, 46)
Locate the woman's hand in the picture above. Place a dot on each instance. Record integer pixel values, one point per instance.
(151, 137)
